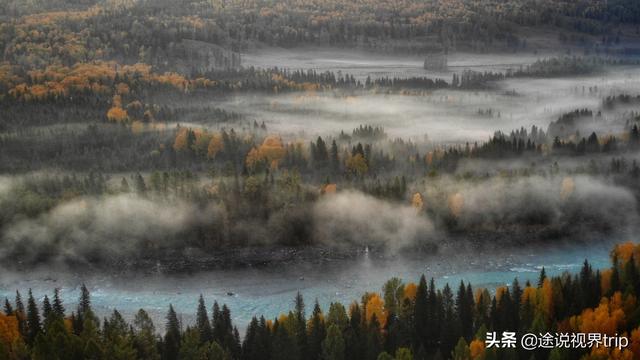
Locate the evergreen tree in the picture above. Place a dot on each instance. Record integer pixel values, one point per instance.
(433, 317)
(334, 159)
(461, 351)
(250, 346)
(190, 345)
(420, 314)
(316, 333)
(464, 306)
(57, 306)
(172, 339)
(615, 275)
(300, 325)
(631, 278)
(373, 338)
(337, 316)
(354, 337)
(542, 278)
(21, 315)
(321, 159)
(33, 319)
(404, 354)
(140, 185)
(216, 352)
(8, 309)
(144, 337)
(448, 325)
(118, 342)
(84, 311)
(333, 347)
(283, 344)
(47, 310)
(202, 322)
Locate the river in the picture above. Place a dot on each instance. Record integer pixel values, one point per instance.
(270, 291)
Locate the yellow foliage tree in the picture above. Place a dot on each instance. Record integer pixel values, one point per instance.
(328, 189)
(545, 300)
(607, 318)
(568, 186)
(122, 89)
(216, 144)
(184, 140)
(456, 204)
(410, 291)
(625, 251)
(117, 114)
(477, 349)
(9, 332)
(357, 164)
(375, 306)
(417, 202)
(253, 158)
(272, 150)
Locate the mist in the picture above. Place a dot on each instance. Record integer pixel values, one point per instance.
(96, 229)
(351, 217)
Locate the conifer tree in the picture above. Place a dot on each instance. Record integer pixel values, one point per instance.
(33, 319)
(172, 338)
(202, 322)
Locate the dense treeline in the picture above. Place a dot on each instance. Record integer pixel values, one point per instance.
(465, 24)
(253, 189)
(133, 93)
(405, 321)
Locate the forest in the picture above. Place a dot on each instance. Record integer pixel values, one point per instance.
(128, 106)
(245, 154)
(404, 321)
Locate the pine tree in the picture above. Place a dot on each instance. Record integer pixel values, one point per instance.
(21, 315)
(84, 312)
(542, 278)
(47, 310)
(334, 159)
(8, 309)
(202, 322)
(140, 185)
(433, 317)
(250, 344)
(144, 338)
(448, 324)
(283, 344)
(57, 306)
(300, 326)
(172, 337)
(217, 324)
(631, 278)
(33, 319)
(333, 347)
(190, 345)
(84, 305)
(461, 351)
(420, 314)
(464, 307)
(317, 333)
(322, 154)
(373, 337)
(118, 342)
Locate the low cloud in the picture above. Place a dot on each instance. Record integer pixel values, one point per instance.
(356, 218)
(88, 229)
